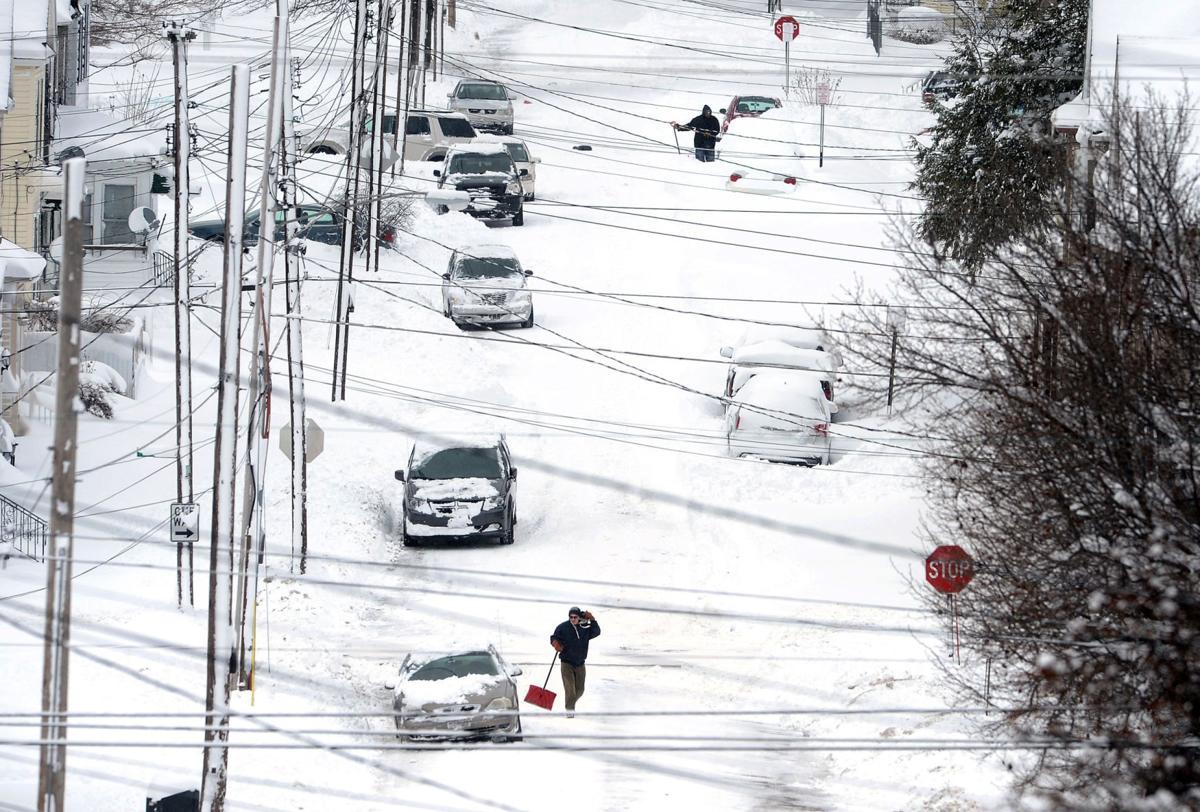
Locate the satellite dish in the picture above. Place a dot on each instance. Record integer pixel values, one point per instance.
(143, 220)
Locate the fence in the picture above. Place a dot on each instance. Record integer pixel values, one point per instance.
(121, 351)
(164, 269)
(25, 531)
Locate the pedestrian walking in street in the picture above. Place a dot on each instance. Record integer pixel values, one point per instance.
(570, 640)
(708, 131)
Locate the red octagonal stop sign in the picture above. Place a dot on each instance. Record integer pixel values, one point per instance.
(793, 28)
(949, 568)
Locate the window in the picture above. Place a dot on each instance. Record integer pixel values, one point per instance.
(88, 232)
(480, 91)
(456, 128)
(517, 152)
(389, 123)
(417, 125)
(118, 203)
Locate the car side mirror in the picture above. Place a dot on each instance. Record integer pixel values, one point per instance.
(524, 173)
(399, 476)
(722, 110)
(446, 276)
(727, 352)
(437, 173)
(529, 273)
(535, 160)
(389, 685)
(513, 473)
(516, 671)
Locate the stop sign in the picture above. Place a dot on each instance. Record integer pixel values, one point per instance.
(787, 26)
(949, 568)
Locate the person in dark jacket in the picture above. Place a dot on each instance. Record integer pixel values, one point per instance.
(570, 640)
(707, 130)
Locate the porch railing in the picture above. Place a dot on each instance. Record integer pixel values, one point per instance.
(26, 532)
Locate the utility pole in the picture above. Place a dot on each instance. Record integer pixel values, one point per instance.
(401, 117)
(430, 13)
(414, 51)
(259, 385)
(220, 564)
(295, 344)
(180, 35)
(450, 12)
(52, 769)
(350, 219)
(379, 103)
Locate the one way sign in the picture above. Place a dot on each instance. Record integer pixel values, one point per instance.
(185, 521)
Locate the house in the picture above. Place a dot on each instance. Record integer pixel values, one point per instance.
(19, 267)
(1131, 57)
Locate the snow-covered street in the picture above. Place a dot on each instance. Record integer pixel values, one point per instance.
(762, 646)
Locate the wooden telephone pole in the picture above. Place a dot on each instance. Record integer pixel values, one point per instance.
(52, 769)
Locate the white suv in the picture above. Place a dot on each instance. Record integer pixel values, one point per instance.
(428, 134)
(487, 105)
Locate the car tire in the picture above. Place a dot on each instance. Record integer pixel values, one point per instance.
(322, 150)
(408, 541)
(519, 217)
(443, 209)
(529, 321)
(508, 536)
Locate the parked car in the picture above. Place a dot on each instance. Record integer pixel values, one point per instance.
(764, 151)
(463, 491)
(938, 85)
(486, 285)
(749, 360)
(779, 416)
(464, 695)
(526, 164)
(487, 105)
(316, 222)
(487, 173)
(747, 106)
(428, 134)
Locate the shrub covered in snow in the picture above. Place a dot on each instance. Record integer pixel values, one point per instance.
(97, 382)
(918, 24)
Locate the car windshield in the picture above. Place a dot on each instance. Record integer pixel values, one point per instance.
(755, 104)
(798, 415)
(490, 92)
(457, 665)
(517, 152)
(488, 268)
(477, 163)
(459, 463)
(457, 128)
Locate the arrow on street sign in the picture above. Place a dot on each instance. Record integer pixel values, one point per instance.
(185, 521)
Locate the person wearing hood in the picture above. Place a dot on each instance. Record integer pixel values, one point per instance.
(708, 130)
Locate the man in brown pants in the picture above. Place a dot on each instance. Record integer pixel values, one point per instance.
(570, 640)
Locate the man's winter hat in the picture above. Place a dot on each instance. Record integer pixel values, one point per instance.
(574, 610)
(707, 110)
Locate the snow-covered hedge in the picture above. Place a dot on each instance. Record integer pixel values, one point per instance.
(919, 25)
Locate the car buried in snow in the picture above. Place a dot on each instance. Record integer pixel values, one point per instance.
(459, 491)
(487, 174)
(779, 416)
(466, 695)
(764, 152)
(749, 360)
(315, 223)
(486, 285)
(742, 106)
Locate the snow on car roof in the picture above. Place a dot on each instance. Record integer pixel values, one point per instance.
(488, 251)
(805, 337)
(478, 147)
(425, 446)
(778, 352)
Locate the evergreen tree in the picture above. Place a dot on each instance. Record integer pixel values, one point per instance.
(990, 171)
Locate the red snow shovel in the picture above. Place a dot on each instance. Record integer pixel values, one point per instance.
(540, 696)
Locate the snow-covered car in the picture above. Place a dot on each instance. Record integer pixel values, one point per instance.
(938, 85)
(779, 416)
(526, 165)
(486, 285)
(463, 695)
(763, 152)
(459, 491)
(749, 360)
(428, 135)
(487, 105)
(747, 106)
(486, 172)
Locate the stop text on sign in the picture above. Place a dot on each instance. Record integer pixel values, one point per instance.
(949, 568)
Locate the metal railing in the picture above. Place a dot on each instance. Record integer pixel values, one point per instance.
(164, 269)
(26, 532)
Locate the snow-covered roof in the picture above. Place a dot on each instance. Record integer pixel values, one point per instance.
(495, 251)
(782, 390)
(104, 137)
(19, 263)
(477, 147)
(779, 352)
(30, 24)
(1144, 52)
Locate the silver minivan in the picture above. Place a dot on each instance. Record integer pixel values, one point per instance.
(487, 105)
